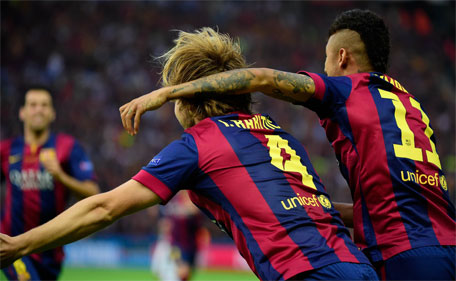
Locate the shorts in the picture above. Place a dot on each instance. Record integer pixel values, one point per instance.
(27, 268)
(424, 263)
(339, 271)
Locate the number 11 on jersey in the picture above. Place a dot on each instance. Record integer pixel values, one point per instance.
(407, 148)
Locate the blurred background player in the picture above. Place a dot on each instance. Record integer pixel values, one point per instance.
(244, 172)
(40, 170)
(404, 219)
(180, 230)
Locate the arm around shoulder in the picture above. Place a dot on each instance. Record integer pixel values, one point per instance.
(287, 86)
(282, 85)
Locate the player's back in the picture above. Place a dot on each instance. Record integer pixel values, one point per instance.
(399, 163)
(256, 182)
(387, 152)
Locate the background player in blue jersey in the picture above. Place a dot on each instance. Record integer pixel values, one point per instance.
(180, 228)
(242, 170)
(403, 217)
(40, 169)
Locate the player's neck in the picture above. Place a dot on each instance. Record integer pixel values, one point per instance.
(194, 121)
(37, 138)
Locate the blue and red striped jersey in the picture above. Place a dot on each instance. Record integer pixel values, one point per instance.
(32, 196)
(256, 182)
(185, 222)
(386, 149)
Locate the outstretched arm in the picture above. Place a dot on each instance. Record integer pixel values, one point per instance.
(82, 219)
(283, 85)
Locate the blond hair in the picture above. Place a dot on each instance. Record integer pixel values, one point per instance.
(202, 53)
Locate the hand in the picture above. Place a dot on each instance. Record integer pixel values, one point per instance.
(137, 107)
(8, 251)
(50, 162)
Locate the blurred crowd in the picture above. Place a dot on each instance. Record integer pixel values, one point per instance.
(98, 55)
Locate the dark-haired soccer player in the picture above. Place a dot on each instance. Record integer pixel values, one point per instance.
(242, 170)
(403, 217)
(40, 169)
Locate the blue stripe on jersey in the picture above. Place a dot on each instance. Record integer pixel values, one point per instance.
(267, 186)
(17, 204)
(446, 194)
(414, 212)
(342, 232)
(262, 264)
(336, 113)
(450, 207)
(345, 174)
(368, 229)
(341, 118)
(47, 197)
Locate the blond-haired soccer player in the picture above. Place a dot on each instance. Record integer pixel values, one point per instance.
(242, 170)
(403, 218)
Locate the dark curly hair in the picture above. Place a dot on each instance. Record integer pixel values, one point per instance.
(373, 33)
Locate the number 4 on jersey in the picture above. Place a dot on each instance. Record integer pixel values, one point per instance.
(293, 164)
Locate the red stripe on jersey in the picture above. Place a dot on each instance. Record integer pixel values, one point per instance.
(36, 257)
(361, 103)
(342, 143)
(155, 185)
(221, 215)
(64, 146)
(442, 224)
(320, 86)
(31, 196)
(5, 148)
(322, 220)
(283, 254)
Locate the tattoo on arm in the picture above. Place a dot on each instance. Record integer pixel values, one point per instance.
(290, 83)
(177, 90)
(286, 86)
(276, 93)
(236, 81)
(229, 82)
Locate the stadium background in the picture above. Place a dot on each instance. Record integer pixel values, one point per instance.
(97, 55)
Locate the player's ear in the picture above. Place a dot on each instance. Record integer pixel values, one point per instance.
(343, 58)
(53, 115)
(21, 114)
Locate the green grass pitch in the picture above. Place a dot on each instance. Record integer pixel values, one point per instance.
(131, 274)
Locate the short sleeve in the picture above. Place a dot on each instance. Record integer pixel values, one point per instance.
(172, 169)
(81, 167)
(330, 93)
